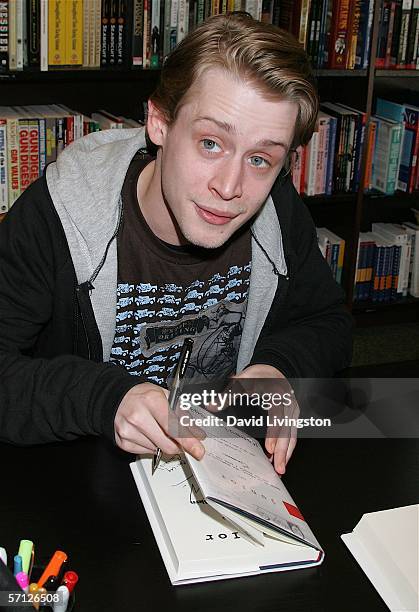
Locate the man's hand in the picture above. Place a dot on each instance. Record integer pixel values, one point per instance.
(142, 424)
(280, 441)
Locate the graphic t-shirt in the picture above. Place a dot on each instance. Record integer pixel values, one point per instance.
(167, 293)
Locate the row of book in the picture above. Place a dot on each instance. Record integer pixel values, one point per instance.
(387, 267)
(48, 34)
(332, 248)
(331, 162)
(398, 35)
(32, 136)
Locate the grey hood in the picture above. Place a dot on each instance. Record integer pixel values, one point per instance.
(85, 185)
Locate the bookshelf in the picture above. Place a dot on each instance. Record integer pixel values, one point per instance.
(123, 90)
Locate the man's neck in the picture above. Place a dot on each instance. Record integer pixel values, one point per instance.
(152, 204)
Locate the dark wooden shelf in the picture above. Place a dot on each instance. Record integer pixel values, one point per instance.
(329, 72)
(383, 73)
(380, 313)
(76, 74)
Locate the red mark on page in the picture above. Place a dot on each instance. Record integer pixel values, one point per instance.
(293, 510)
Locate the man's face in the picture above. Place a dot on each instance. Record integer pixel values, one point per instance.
(221, 157)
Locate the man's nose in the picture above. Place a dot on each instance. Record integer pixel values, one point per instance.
(227, 181)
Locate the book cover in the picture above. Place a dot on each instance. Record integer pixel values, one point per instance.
(105, 32)
(44, 20)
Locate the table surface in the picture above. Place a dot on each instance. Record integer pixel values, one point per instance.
(80, 497)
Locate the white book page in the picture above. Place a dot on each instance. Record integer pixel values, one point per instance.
(235, 471)
(198, 542)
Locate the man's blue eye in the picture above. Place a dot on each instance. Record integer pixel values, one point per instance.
(259, 162)
(209, 145)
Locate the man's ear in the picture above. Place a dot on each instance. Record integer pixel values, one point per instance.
(156, 124)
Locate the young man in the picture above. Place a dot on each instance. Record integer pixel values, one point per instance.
(114, 257)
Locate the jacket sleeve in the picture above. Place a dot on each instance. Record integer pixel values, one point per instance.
(308, 333)
(44, 399)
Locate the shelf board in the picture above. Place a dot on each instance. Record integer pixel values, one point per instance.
(383, 73)
(381, 313)
(329, 72)
(329, 200)
(87, 74)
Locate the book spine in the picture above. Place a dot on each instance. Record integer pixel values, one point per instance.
(98, 33)
(404, 31)
(319, 174)
(4, 36)
(19, 34)
(155, 35)
(303, 25)
(389, 42)
(105, 25)
(412, 45)
(42, 145)
(56, 33)
(34, 158)
(86, 33)
(4, 179)
(382, 35)
(167, 16)
(350, 152)
(367, 45)
(369, 270)
(173, 23)
(146, 33)
(339, 35)
(34, 33)
(331, 156)
(411, 118)
(122, 26)
(13, 159)
(92, 33)
(44, 36)
(137, 35)
(23, 131)
(182, 20)
(396, 34)
(393, 162)
(12, 43)
(325, 156)
(355, 16)
(396, 273)
(111, 59)
(310, 175)
(74, 31)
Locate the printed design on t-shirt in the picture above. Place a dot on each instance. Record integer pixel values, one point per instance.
(152, 322)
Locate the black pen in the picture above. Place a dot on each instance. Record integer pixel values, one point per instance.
(176, 388)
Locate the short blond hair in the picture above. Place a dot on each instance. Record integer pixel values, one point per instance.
(263, 55)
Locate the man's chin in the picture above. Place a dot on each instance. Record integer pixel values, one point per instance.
(209, 239)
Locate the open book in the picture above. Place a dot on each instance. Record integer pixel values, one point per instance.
(225, 516)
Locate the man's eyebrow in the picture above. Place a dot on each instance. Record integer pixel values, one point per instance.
(232, 130)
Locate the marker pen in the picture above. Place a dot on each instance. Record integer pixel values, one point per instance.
(70, 580)
(33, 590)
(22, 579)
(53, 567)
(17, 564)
(61, 606)
(3, 555)
(26, 551)
(52, 583)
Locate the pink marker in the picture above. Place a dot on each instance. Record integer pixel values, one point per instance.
(22, 579)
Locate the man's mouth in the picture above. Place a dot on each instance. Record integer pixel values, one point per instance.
(214, 216)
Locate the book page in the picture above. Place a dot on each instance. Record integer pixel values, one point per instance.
(235, 471)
